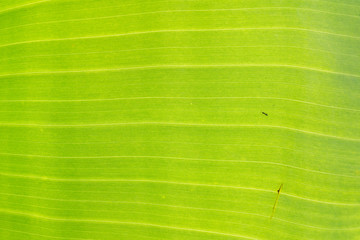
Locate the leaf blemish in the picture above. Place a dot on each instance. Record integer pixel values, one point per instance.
(276, 201)
(264, 113)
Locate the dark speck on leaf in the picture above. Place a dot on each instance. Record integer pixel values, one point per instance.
(264, 113)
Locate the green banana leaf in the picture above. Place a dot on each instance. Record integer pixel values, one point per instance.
(179, 119)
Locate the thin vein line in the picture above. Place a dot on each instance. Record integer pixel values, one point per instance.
(187, 207)
(183, 66)
(186, 159)
(179, 124)
(179, 30)
(35, 215)
(41, 235)
(75, 230)
(160, 48)
(99, 180)
(22, 6)
(180, 11)
(181, 98)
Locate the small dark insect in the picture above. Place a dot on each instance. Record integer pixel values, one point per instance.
(264, 113)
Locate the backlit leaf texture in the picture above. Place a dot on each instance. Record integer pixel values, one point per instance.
(179, 119)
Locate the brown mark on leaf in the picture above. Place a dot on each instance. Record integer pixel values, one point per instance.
(276, 201)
